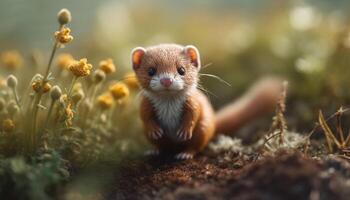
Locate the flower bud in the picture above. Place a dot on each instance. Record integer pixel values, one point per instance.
(63, 99)
(12, 81)
(12, 108)
(119, 90)
(64, 60)
(77, 86)
(8, 125)
(55, 93)
(64, 16)
(131, 81)
(37, 77)
(77, 96)
(99, 75)
(12, 60)
(107, 66)
(105, 101)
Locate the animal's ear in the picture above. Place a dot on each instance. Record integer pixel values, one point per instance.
(136, 56)
(193, 53)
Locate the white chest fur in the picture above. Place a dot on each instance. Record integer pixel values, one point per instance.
(169, 112)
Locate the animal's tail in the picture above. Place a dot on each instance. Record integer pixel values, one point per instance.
(259, 100)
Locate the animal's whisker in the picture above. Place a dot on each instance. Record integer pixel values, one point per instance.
(207, 65)
(217, 78)
(202, 88)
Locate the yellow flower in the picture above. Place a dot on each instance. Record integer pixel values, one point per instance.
(63, 36)
(80, 68)
(131, 81)
(8, 125)
(105, 101)
(119, 90)
(107, 66)
(64, 60)
(11, 59)
(36, 85)
(69, 114)
(3, 82)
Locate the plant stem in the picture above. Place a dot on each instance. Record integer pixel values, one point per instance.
(38, 98)
(110, 114)
(94, 92)
(96, 118)
(92, 100)
(75, 78)
(33, 128)
(16, 98)
(71, 88)
(55, 47)
(49, 114)
(86, 112)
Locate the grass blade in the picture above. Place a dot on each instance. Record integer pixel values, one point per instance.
(328, 133)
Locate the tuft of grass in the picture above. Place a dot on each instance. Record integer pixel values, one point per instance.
(279, 125)
(338, 144)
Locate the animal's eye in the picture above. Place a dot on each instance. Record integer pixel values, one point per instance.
(181, 71)
(152, 71)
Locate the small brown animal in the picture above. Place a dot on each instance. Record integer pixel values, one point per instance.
(178, 118)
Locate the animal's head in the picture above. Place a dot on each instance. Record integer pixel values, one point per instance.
(167, 68)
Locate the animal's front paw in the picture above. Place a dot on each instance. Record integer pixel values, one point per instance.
(156, 133)
(184, 134)
(184, 156)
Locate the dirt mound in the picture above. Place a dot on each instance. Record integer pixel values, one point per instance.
(287, 175)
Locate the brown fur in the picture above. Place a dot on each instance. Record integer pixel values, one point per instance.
(198, 121)
(165, 58)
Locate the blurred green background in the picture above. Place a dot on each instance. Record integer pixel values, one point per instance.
(305, 42)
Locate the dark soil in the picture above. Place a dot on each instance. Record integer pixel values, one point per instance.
(287, 175)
